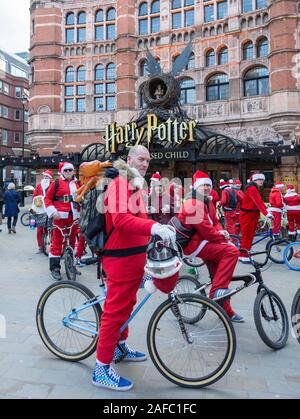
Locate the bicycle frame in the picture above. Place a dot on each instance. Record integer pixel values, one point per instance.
(66, 233)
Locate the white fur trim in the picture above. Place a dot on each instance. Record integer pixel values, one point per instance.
(258, 176)
(51, 210)
(67, 166)
(273, 209)
(279, 185)
(202, 181)
(198, 250)
(293, 208)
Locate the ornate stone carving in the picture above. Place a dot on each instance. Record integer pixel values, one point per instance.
(257, 134)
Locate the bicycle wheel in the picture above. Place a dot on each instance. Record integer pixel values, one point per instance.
(66, 341)
(295, 315)
(46, 242)
(25, 219)
(236, 240)
(291, 256)
(271, 319)
(69, 264)
(276, 250)
(187, 284)
(211, 348)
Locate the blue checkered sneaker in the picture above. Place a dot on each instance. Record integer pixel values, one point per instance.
(105, 376)
(130, 354)
(145, 278)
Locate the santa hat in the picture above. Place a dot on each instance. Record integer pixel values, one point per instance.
(248, 180)
(279, 185)
(224, 184)
(290, 188)
(156, 177)
(201, 178)
(231, 182)
(64, 166)
(257, 176)
(237, 182)
(48, 173)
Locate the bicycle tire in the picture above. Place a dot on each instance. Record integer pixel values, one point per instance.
(295, 315)
(158, 333)
(69, 264)
(290, 256)
(43, 329)
(25, 219)
(260, 311)
(279, 256)
(192, 287)
(236, 240)
(46, 242)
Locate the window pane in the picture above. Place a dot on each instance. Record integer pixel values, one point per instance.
(81, 74)
(143, 9)
(248, 51)
(111, 14)
(110, 31)
(111, 72)
(99, 104)
(144, 69)
(70, 19)
(191, 63)
(99, 72)
(110, 103)
(210, 59)
(80, 105)
(261, 4)
(250, 88)
(69, 36)
(81, 35)
(69, 90)
(222, 9)
(143, 26)
(209, 13)
(176, 4)
(224, 92)
(246, 6)
(69, 105)
(211, 93)
(110, 88)
(17, 115)
(263, 86)
(99, 16)
(18, 91)
(189, 18)
(81, 19)
(80, 90)
(263, 48)
(155, 24)
(155, 6)
(99, 89)
(99, 33)
(17, 137)
(189, 2)
(4, 137)
(176, 20)
(223, 57)
(70, 75)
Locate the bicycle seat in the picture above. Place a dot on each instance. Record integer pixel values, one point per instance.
(249, 279)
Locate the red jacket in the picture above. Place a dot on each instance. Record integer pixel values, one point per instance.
(65, 188)
(207, 224)
(39, 190)
(240, 196)
(126, 213)
(215, 197)
(276, 200)
(292, 201)
(253, 201)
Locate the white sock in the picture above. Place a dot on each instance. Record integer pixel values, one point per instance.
(100, 363)
(121, 342)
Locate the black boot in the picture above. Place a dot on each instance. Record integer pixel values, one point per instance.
(292, 237)
(54, 264)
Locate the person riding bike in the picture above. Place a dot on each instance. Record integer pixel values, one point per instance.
(229, 202)
(276, 207)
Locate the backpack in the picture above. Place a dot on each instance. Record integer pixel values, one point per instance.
(233, 200)
(183, 234)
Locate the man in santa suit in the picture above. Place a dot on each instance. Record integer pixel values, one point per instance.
(251, 208)
(124, 258)
(237, 186)
(229, 201)
(60, 205)
(215, 198)
(292, 201)
(210, 241)
(276, 207)
(38, 203)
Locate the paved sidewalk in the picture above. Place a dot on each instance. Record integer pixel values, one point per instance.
(29, 370)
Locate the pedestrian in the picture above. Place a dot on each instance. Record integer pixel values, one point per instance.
(276, 207)
(124, 259)
(60, 205)
(292, 201)
(11, 201)
(1, 205)
(38, 204)
(209, 242)
(251, 208)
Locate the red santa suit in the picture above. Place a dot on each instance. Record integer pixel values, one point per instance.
(214, 197)
(252, 206)
(276, 207)
(229, 201)
(59, 200)
(40, 191)
(124, 256)
(292, 201)
(207, 243)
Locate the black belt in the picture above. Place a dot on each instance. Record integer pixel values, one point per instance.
(65, 198)
(119, 253)
(249, 210)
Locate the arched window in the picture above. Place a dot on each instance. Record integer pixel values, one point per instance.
(191, 63)
(99, 72)
(217, 87)
(81, 73)
(210, 58)
(188, 91)
(111, 14)
(81, 18)
(99, 17)
(111, 71)
(223, 56)
(262, 47)
(155, 6)
(248, 50)
(144, 68)
(256, 82)
(70, 19)
(143, 9)
(69, 75)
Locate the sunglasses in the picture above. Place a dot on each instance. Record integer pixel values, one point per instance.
(69, 170)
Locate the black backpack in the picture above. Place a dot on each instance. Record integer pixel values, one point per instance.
(233, 200)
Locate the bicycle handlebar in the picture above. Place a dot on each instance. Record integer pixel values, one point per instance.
(62, 230)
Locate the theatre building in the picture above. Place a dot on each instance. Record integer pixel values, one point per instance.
(88, 69)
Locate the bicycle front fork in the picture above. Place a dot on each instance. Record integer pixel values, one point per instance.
(175, 300)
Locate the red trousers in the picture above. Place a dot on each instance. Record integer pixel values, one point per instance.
(293, 219)
(232, 218)
(56, 247)
(248, 221)
(39, 235)
(277, 222)
(80, 247)
(221, 259)
(124, 277)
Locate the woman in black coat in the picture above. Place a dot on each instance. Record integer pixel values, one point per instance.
(1, 204)
(11, 201)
